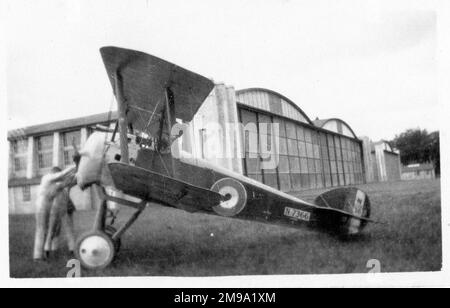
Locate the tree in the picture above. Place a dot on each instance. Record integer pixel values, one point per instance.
(418, 146)
(434, 152)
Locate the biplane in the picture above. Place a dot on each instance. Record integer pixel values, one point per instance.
(133, 165)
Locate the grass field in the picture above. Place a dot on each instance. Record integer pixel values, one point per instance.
(168, 242)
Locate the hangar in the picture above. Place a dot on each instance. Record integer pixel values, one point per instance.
(311, 154)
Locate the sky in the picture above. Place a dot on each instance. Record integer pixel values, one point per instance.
(367, 62)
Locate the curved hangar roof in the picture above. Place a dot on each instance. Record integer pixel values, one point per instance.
(276, 103)
(337, 126)
(272, 102)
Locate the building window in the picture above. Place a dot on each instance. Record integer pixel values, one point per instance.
(45, 160)
(44, 143)
(67, 158)
(20, 164)
(20, 153)
(44, 146)
(26, 193)
(69, 139)
(20, 146)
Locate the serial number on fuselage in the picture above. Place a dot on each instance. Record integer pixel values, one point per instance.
(297, 214)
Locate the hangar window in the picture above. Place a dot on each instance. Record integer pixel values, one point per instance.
(346, 159)
(285, 152)
(252, 160)
(333, 165)
(308, 158)
(339, 160)
(326, 175)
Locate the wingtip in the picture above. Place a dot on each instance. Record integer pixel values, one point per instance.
(105, 49)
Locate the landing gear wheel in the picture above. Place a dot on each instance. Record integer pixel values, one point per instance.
(110, 230)
(95, 250)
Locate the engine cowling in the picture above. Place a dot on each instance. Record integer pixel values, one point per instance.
(95, 154)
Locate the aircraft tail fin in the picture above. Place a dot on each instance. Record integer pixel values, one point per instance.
(352, 207)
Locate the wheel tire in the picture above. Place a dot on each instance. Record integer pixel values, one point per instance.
(237, 193)
(95, 250)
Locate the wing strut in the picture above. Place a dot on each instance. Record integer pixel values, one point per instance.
(170, 114)
(123, 121)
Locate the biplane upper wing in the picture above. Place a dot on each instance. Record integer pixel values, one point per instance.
(153, 186)
(144, 80)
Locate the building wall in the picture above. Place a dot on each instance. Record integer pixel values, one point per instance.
(375, 167)
(370, 166)
(387, 165)
(418, 175)
(42, 152)
(17, 203)
(393, 170)
(11, 199)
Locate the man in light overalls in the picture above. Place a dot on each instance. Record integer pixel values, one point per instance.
(51, 209)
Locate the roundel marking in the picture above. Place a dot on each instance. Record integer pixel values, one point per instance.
(237, 197)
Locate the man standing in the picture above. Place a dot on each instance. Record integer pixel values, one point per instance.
(61, 219)
(51, 186)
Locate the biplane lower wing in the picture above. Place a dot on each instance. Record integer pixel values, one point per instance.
(152, 186)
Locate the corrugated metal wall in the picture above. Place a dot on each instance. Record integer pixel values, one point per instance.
(270, 102)
(338, 127)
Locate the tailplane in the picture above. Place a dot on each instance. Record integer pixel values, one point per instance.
(350, 210)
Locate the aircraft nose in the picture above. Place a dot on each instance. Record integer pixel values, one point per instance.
(89, 168)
